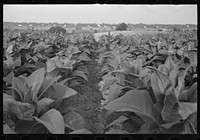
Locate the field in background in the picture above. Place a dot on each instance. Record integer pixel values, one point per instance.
(101, 30)
(136, 31)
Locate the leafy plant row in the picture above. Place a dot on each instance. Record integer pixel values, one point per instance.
(41, 69)
(153, 86)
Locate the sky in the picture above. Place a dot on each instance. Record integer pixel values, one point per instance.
(112, 14)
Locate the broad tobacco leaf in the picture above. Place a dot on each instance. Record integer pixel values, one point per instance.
(108, 55)
(54, 73)
(9, 50)
(169, 63)
(40, 46)
(28, 98)
(144, 72)
(184, 127)
(181, 80)
(149, 127)
(112, 62)
(174, 110)
(74, 50)
(173, 74)
(192, 56)
(81, 74)
(53, 121)
(6, 96)
(73, 83)
(159, 82)
(114, 91)
(18, 108)
(35, 81)
(8, 78)
(8, 130)
(46, 84)
(186, 108)
(41, 104)
(137, 101)
(189, 95)
(58, 61)
(74, 121)
(67, 63)
(162, 68)
(30, 126)
(170, 107)
(10, 106)
(83, 68)
(11, 64)
(58, 91)
(193, 119)
(39, 65)
(50, 65)
(83, 57)
(108, 80)
(135, 80)
(19, 88)
(104, 69)
(136, 65)
(118, 121)
(120, 75)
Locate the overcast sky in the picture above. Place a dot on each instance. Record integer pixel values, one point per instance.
(147, 14)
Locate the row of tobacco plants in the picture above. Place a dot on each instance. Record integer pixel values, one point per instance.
(149, 82)
(40, 69)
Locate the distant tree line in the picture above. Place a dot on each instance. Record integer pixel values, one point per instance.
(73, 25)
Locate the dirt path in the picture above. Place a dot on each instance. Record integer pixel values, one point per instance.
(88, 100)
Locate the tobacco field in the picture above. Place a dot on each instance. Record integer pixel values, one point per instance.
(119, 84)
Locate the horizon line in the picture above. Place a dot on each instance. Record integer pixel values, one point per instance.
(97, 23)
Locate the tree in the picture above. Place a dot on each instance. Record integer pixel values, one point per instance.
(57, 29)
(122, 26)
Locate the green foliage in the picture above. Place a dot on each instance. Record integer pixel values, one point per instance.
(52, 66)
(57, 29)
(151, 84)
(144, 77)
(122, 26)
